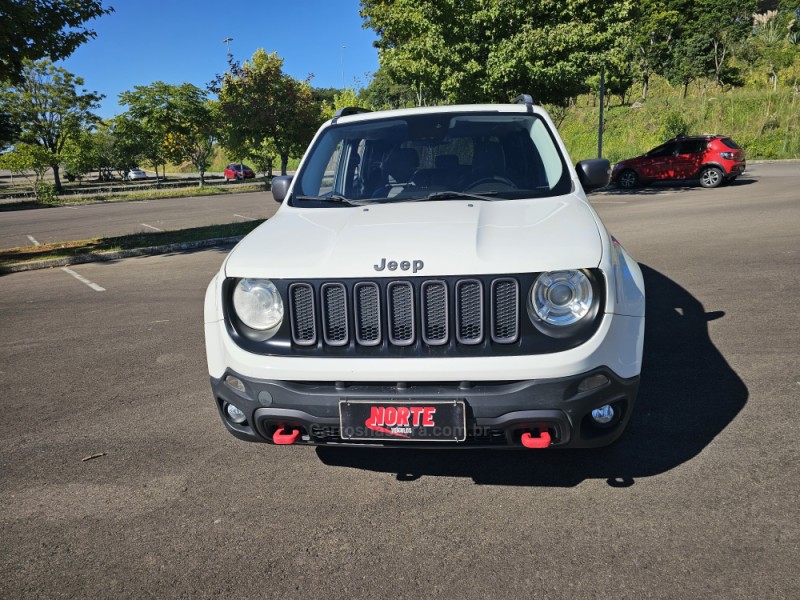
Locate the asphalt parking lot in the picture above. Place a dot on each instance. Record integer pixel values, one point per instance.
(699, 499)
(103, 219)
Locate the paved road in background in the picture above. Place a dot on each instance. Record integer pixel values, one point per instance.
(85, 221)
(698, 499)
(66, 223)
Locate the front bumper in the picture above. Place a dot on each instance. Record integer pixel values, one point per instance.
(498, 413)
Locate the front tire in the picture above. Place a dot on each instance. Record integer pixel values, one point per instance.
(711, 177)
(628, 179)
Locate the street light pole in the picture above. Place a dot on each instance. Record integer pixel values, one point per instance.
(343, 47)
(227, 41)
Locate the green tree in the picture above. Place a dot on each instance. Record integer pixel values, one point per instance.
(152, 115)
(193, 129)
(263, 158)
(104, 143)
(34, 29)
(79, 156)
(725, 25)
(9, 129)
(126, 147)
(688, 62)
(382, 93)
(773, 48)
(493, 50)
(299, 117)
(50, 110)
(25, 159)
(342, 99)
(657, 24)
(258, 102)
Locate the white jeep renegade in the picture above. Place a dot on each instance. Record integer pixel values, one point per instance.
(435, 277)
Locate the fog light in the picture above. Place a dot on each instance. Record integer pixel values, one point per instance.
(235, 383)
(603, 415)
(592, 383)
(233, 413)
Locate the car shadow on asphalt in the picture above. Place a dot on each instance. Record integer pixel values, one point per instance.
(661, 187)
(688, 395)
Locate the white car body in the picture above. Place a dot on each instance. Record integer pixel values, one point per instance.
(136, 174)
(457, 237)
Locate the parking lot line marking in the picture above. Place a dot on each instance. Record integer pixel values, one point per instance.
(83, 279)
(150, 226)
(243, 217)
(33, 240)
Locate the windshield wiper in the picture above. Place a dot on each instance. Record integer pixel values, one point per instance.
(450, 195)
(332, 198)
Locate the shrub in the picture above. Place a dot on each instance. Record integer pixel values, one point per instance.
(674, 125)
(45, 192)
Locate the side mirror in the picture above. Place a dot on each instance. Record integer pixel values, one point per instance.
(280, 187)
(594, 173)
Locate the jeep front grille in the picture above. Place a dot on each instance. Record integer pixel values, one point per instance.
(368, 313)
(403, 313)
(304, 330)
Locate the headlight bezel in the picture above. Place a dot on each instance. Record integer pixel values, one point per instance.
(245, 326)
(576, 327)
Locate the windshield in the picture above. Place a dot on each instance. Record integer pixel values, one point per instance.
(433, 157)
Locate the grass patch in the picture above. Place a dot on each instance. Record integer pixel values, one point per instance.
(133, 196)
(173, 193)
(13, 256)
(766, 124)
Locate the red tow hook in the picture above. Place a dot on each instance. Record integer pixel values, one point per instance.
(543, 441)
(285, 439)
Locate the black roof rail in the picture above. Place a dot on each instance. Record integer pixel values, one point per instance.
(349, 110)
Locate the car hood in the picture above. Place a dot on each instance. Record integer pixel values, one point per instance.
(424, 238)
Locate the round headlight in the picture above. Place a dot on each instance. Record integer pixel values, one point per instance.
(561, 297)
(258, 304)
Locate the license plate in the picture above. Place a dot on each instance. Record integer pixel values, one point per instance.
(403, 421)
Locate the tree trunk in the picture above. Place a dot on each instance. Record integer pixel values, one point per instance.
(645, 85)
(202, 177)
(57, 178)
(719, 59)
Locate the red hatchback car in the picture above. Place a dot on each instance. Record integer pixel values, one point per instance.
(714, 159)
(238, 171)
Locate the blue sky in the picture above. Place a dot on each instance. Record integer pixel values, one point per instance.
(180, 41)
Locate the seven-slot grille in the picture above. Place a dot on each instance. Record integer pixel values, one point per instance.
(401, 313)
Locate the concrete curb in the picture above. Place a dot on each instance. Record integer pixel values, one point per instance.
(108, 256)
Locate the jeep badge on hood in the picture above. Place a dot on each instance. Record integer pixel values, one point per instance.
(403, 265)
